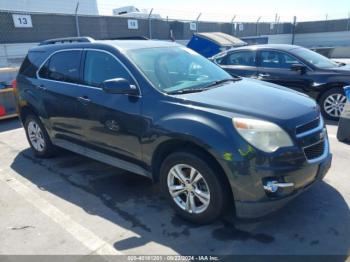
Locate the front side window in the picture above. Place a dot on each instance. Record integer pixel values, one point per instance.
(101, 66)
(275, 59)
(62, 66)
(176, 68)
(246, 58)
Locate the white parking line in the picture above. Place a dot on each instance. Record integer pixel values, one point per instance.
(11, 131)
(332, 136)
(97, 245)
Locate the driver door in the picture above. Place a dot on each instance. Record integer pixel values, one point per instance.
(113, 122)
(275, 67)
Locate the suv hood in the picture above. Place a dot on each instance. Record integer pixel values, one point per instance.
(257, 99)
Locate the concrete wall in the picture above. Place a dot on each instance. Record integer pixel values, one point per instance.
(324, 39)
(11, 55)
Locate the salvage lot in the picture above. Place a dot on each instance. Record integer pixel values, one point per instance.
(73, 205)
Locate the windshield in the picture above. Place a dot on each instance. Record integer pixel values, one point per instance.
(314, 58)
(172, 69)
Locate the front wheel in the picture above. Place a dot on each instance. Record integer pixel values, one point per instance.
(332, 103)
(193, 188)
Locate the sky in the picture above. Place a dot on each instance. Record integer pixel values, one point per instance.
(244, 10)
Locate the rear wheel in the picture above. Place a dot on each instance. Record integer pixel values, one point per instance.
(332, 103)
(193, 188)
(37, 137)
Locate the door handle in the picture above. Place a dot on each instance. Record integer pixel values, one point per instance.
(84, 100)
(41, 87)
(264, 75)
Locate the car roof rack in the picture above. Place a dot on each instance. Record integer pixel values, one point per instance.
(84, 39)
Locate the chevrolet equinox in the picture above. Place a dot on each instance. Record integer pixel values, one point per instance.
(214, 142)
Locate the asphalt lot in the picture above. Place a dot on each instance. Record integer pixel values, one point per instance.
(73, 205)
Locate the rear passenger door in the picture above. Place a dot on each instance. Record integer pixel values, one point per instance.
(59, 80)
(113, 121)
(240, 63)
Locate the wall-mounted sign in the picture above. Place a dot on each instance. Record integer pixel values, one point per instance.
(20, 20)
(193, 26)
(240, 27)
(133, 24)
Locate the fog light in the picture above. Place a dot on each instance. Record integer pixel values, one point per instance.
(273, 186)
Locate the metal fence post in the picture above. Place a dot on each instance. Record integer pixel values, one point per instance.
(150, 24)
(232, 26)
(293, 29)
(77, 19)
(197, 21)
(257, 26)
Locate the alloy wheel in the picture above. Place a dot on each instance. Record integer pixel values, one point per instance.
(36, 136)
(188, 188)
(334, 104)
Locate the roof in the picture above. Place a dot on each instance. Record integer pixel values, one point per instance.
(122, 45)
(221, 39)
(269, 46)
(137, 44)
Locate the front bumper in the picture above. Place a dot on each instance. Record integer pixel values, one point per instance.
(302, 177)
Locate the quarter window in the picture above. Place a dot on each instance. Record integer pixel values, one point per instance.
(274, 59)
(62, 66)
(100, 66)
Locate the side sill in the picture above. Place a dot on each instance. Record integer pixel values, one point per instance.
(104, 158)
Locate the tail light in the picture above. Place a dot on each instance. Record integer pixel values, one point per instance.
(2, 110)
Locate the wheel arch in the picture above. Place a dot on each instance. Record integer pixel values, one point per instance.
(177, 145)
(25, 111)
(328, 87)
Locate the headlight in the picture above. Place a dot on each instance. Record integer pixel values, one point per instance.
(263, 135)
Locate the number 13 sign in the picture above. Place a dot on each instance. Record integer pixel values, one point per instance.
(20, 20)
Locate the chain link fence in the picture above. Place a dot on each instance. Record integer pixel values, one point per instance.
(25, 29)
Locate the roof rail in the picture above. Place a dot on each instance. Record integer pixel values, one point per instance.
(67, 40)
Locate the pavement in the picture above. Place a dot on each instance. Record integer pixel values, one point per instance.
(70, 204)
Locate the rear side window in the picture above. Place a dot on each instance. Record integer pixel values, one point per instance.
(62, 66)
(101, 66)
(246, 58)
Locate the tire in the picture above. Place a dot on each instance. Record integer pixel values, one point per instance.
(332, 103)
(209, 184)
(38, 138)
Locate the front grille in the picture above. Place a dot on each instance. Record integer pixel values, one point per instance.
(308, 126)
(314, 151)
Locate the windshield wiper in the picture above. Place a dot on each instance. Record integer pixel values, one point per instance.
(218, 82)
(201, 89)
(187, 91)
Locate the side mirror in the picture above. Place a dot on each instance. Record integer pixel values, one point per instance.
(119, 86)
(299, 68)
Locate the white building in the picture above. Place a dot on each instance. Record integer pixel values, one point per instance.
(87, 7)
(134, 12)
